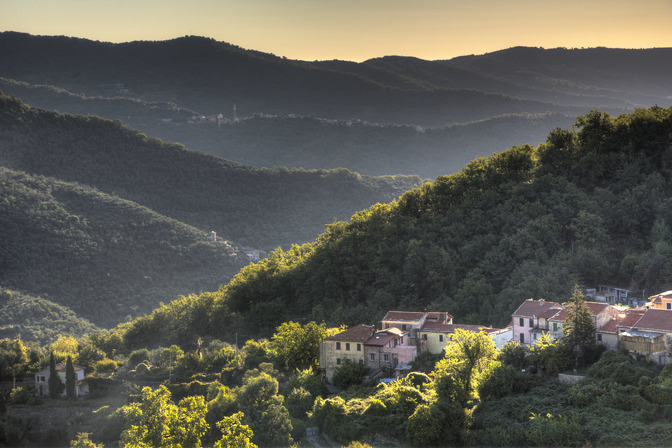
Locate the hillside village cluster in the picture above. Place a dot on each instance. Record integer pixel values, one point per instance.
(388, 352)
(643, 330)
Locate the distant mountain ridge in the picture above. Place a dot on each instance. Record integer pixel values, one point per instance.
(149, 84)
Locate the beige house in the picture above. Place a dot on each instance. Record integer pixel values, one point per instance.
(383, 349)
(348, 344)
(434, 336)
(42, 381)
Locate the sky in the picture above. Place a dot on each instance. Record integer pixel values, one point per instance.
(355, 30)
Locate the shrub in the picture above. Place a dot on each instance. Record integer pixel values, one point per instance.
(19, 395)
(349, 374)
(503, 380)
(513, 354)
(105, 366)
(554, 430)
(138, 356)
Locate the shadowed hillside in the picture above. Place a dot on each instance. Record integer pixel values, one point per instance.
(263, 208)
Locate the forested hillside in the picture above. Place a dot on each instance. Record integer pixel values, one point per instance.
(103, 257)
(589, 205)
(37, 319)
(262, 208)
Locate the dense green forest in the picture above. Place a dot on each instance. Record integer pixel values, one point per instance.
(259, 207)
(103, 257)
(38, 319)
(590, 205)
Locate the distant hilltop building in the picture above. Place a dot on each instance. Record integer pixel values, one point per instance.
(212, 236)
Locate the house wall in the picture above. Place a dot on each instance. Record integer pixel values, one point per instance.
(642, 345)
(665, 304)
(522, 325)
(502, 337)
(331, 357)
(375, 357)
(433, 343)
(609, 340)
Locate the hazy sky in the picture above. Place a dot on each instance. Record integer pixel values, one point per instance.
(355, 29)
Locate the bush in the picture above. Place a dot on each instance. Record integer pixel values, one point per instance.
(138, 356)
(555, 430)
(106, 366)
(513, 354)
(19, 395)
(349, 374)
(503, 380)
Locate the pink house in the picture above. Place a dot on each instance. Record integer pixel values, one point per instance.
(530, 320)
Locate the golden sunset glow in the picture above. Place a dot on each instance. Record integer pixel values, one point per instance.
(354, 29)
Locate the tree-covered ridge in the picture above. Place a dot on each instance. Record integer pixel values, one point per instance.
(590, 205)
(307, 142)
(259, 207)
(213, 75)
(103, 257)
(38, 319)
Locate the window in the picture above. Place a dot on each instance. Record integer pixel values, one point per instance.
(522, 338)
(386, 357)
(338, 361)
(599, 338)
(359, 347)
(440, 338)
(372, 356)
(521, 321)
(555, 326)
(387, 326)
(361, 361)
(347, 346)
(424, 337)
(338, 346)
(531, 323)
(669, 306)
(395, 342)
(403, 327)
(535, 336)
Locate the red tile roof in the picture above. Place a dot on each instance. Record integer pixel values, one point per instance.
(594, 307)
(359, 333)
(610, 327)
(381, 338)
(631, 317)
(533, 308)
(657, 320)
(403, 316)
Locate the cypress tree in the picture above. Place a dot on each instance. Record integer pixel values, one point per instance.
(55, 383)
(70, 379)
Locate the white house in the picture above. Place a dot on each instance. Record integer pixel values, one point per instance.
(42, 381)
